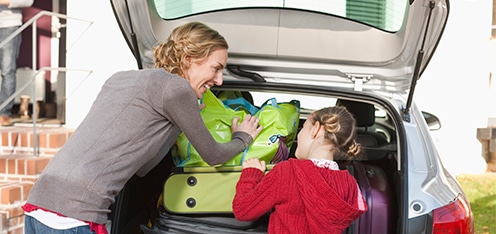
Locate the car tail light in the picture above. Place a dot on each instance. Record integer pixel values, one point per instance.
(456, 217)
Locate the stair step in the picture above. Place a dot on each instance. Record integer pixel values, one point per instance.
(20, 140)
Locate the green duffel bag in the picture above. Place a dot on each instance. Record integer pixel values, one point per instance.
(280, 126)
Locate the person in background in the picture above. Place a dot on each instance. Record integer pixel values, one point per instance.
(308, 194)
(10, 21)
(136, 115)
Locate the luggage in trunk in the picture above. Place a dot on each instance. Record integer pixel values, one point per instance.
(201, 190)
(167, 223)
(199, 200)
(378, 194)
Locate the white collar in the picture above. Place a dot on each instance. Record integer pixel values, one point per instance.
(325, 163)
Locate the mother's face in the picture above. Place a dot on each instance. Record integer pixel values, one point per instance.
(202, 75)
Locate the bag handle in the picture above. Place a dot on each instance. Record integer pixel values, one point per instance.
(181, 164)
(271, 101)
(242, 102)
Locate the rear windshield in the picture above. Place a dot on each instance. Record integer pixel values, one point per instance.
(387, 15)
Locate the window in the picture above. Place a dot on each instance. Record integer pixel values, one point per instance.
(383, 14)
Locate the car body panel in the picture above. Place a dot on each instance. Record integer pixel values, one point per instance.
(330, 47)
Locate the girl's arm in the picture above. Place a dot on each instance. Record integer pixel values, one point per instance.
(256, 194)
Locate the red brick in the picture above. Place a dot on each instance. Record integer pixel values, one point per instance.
(21, 166)
(24, 139)
(43, 140)
(26, 188)
(57, 140)
(12, 166)
(5, 139)
(3, 165)
(15, 137)
(10, 194)
(35, 165)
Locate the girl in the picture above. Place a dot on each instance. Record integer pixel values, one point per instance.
(308, 194)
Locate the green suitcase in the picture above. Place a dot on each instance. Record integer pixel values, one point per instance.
(201, 190)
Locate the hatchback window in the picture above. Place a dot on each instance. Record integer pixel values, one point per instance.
(386, 15)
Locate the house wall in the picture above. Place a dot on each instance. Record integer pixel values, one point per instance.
(455, 85)
(100, 49)
(458, 74)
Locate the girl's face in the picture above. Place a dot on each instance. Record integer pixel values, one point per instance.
(202, 75)
(305, 138)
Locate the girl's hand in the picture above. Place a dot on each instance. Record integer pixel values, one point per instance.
(248, 125)
(254, 163)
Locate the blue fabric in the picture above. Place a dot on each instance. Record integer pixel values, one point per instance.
(240, 103)
(33, 226)
(8, 66)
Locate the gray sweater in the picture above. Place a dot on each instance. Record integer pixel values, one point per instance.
(133, 122)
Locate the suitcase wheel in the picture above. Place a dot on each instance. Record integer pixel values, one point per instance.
(191, 181)
(190, 202)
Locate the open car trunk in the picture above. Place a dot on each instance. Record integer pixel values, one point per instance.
(139, 208)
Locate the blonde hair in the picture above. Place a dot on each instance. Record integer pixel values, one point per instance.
(193, 39)
(340, 129)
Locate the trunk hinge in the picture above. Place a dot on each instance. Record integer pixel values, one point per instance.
(136, 52)
(358, 80)
(418, 63)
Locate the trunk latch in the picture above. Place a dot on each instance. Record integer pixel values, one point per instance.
(359, 79)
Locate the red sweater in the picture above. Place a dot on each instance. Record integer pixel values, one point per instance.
(305, 198)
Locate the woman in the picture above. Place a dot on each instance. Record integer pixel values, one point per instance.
(136, 115)
(308, 194)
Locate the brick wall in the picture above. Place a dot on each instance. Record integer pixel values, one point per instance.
(20, 167)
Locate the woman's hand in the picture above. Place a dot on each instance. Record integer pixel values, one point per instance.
(248, 125)
(254, 163)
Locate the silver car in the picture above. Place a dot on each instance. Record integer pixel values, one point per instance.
(367, 55)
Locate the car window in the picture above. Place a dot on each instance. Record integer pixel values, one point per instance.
(306, 102)
(387, 15)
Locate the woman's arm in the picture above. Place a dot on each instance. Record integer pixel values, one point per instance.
(181, 105)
